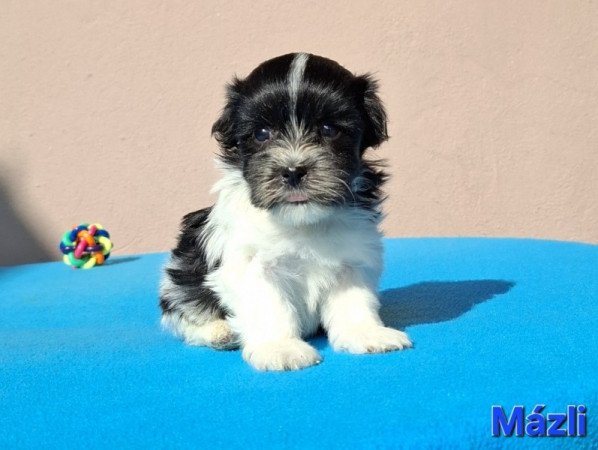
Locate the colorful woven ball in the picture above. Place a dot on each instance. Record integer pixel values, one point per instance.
(85, 246)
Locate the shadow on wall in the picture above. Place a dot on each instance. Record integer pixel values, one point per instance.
(436, 301)
(18, 244)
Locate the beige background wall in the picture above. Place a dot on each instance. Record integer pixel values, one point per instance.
(106, 109)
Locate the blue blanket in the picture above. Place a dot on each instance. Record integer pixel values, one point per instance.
(84, 364)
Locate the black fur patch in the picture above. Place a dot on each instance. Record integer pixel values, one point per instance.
(188, 270)
(370, 195)
(326, 86)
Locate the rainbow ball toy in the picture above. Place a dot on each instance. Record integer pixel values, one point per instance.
(85, 246)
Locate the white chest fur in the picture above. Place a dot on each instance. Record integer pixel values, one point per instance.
(262, 259)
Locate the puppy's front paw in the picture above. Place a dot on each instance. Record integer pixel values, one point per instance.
(285, 354)
(371, 339)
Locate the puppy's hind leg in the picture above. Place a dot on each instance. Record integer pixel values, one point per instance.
(215, 332)
(193, 313)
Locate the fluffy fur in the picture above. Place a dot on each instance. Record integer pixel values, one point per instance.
(292, 243)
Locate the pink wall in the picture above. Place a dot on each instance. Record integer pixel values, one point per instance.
(106, 109)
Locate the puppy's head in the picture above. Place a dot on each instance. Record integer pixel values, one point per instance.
(297, 127)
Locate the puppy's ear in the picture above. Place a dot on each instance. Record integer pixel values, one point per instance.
(224, 128)
(372, 109)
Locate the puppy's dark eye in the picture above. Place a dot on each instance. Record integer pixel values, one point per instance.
(328, 131)
(262, 134)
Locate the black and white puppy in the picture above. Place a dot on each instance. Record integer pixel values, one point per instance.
(292, 242)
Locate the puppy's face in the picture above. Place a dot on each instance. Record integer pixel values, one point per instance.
(297, 127)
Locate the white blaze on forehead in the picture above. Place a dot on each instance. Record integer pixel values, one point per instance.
(295, 78)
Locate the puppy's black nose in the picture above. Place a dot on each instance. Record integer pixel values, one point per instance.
(293, 175)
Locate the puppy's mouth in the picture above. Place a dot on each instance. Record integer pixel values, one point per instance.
(296, 197)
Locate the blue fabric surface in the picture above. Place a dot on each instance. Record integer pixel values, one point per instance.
(84, 364)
